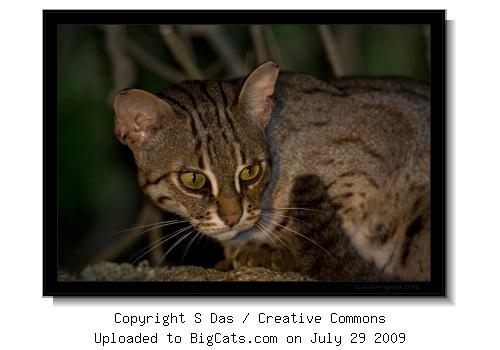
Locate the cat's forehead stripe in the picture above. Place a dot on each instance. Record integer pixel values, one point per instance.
(201, 163)
(226, 110)
(198, 117)
(239, 167)
(174, 103)
(209, 173)
(215, 91)
(205, 91)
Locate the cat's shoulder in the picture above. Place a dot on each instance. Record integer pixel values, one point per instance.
(354, 85)
(305, 84)
(382, 84)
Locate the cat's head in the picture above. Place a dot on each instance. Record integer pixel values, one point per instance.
(201, 148)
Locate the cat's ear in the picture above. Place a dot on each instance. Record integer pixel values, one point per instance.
(138, 114)
(257, 92)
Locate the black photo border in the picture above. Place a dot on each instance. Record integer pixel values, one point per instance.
(437, 285)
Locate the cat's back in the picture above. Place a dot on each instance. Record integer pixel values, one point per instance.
(378, 121)
(351, 100)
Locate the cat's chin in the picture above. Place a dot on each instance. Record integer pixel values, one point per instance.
(224, 235)
(227, 234)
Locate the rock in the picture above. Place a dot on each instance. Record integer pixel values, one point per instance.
(108, 271)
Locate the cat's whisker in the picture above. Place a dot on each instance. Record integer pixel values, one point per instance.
(154, 245)
(189, 245)
(157, 243)
(147, 230)
(270, 230)
(145, 250)
(175, 245)
(296, 208)
(283, 240)
(305, 237)
(288, 217)
(267, 233)
(167, 222)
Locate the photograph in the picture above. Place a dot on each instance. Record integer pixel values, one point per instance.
(244, 153)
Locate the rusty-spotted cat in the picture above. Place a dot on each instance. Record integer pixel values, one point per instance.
(290, 172)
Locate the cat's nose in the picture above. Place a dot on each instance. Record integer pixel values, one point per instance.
(229, 209)
(231, 219)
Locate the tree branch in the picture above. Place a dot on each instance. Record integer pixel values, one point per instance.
(274, 47)
(332, 50)
(259, 43)
(154, 64)
(347, 37)
(180, 51)
(124, 74)
(221, 45)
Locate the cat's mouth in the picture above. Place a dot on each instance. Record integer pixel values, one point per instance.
(222, 233)
(225, 235)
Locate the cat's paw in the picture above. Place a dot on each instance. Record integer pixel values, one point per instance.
(257, 254)
(224, 265)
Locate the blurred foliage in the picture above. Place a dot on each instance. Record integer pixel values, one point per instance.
(97, 189)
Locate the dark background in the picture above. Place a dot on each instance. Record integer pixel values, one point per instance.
(97, 190)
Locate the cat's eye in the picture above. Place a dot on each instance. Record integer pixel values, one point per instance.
(250, 172)
(193, 180)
